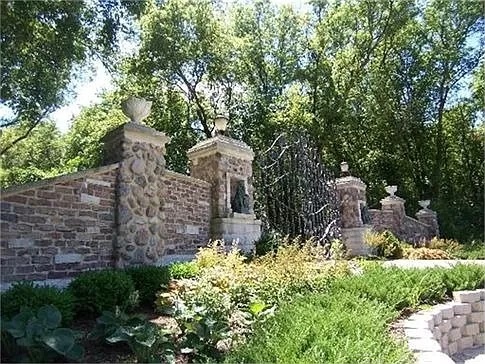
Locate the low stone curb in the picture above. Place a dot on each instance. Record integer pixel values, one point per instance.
(443, 330)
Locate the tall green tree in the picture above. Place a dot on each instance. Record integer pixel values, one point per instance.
(36, 157)
(43, 43)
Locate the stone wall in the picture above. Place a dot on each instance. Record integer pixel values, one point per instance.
(448, 328)
(187, 212)
(130, 212)
(57, 228)
(404, 227)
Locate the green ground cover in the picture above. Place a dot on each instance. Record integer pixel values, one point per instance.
(350, 322)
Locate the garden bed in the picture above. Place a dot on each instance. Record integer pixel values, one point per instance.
(289, 305)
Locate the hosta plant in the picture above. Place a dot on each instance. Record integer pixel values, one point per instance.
(39, 337)
(148, 342)
(217, 309)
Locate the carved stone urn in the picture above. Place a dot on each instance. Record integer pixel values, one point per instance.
(424, 203)
(136, 109)
(391, 190)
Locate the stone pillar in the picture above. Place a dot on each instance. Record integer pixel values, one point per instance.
(226, 164)
(393, 208)
(428, 217)
(354, 218)
(139, 218)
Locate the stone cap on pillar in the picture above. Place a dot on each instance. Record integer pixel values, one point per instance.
(223, 145)
(350, 181)
(138, 133)
(425, 211)
(392, 199)
(347, 180)
(135, 133)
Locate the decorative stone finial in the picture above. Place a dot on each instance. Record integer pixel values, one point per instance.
(344, 169)
(220, 123)
(424, 203)
(391, 190)
(136, 109)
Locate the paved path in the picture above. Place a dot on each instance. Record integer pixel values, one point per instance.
(405, 263)
(470, 356)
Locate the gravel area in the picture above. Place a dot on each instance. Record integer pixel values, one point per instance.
(470, 356)
(405, 263)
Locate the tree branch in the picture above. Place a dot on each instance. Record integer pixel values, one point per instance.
(26, 134)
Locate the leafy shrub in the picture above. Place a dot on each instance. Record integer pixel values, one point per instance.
(218, 308)
(473, 250)
(98, 291)
(145, 339)
(39, 337)
(426, 253)
(182, 270)
(447, 245)
(338, 249)
(385, 244)
(27, 295)
(464, 277)
(148, 281)
(267, 243)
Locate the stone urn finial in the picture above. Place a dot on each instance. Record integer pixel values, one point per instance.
(391, 190)
(424, 203)
(220, 124)
(136, 109)
(344, 169)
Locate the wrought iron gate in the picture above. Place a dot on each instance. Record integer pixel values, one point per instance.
(295, 193)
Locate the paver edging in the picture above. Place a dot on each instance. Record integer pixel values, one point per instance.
(443, 330)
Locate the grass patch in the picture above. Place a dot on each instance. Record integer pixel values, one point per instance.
(349, 323)
(473, 250)
(325, 328)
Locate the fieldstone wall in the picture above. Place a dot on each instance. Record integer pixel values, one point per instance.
(140, 218)
(57, 228)
(403, 226)
(447, 329)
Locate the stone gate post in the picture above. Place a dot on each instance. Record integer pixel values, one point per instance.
(226, 164)
(429, 217)
(139, 217)
(353, 211)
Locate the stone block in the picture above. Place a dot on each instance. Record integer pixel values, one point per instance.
(482, 293)
(445, 326)
(481, 327)
(479, 340)
(454, 334)
(465, 343)
(478, 306)
(466, 296)
(452, 348)
(476, 317)
(67, 258)
(444, 341)
(436, 333)
(433, 358)
(419, 345)
(420, 333)
(462, 308)
(458, 321)
(85, 198)
(447, 311)
(20, 243)
(192, 229)
(470, 330)
(437, 315)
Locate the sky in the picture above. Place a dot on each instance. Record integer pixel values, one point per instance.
(87, 90)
